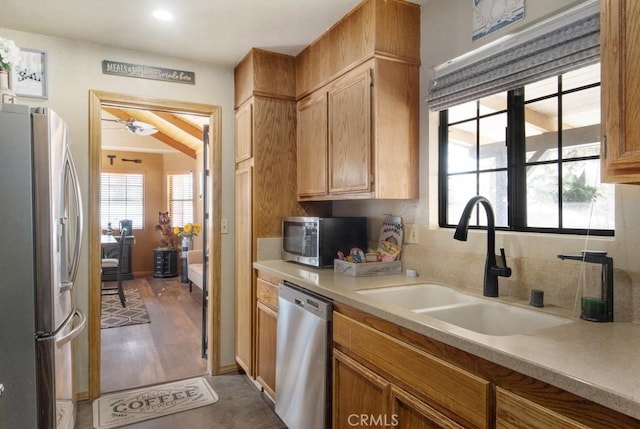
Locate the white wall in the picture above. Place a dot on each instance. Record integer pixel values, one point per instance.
(445, 34)
(74, 68)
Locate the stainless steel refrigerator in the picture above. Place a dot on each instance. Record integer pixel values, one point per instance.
(40, 236)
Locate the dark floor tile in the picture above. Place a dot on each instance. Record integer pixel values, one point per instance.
(241, 406)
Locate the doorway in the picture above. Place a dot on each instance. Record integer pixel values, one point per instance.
(211, 224)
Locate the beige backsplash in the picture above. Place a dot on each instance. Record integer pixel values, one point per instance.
(558, 279)
(269, 248)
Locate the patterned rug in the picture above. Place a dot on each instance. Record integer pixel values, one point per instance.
(124, 408)
(115, 315)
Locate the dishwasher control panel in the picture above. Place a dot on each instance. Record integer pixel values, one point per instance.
(305, 300)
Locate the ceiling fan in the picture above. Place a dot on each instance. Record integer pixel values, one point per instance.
(137, 128)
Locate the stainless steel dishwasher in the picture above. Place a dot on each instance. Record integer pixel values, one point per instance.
(303, 376)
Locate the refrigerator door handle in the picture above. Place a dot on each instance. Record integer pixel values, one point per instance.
(73, 270)
(76, 329)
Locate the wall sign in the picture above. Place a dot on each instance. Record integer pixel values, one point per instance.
(148, 72)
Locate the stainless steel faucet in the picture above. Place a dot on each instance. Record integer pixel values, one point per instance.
(491, 269)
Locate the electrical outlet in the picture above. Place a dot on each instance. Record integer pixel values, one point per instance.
(224, 226)
(411, 233)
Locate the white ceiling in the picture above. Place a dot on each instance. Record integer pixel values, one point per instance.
(213, 31)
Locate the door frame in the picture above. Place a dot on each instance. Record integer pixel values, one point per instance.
(214, 181)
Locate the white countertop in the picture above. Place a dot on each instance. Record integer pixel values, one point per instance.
(598, 361)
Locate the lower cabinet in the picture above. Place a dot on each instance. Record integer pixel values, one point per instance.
(266, 332)
(387, 376)
(376, 376)
(514, 411)
(364, 399)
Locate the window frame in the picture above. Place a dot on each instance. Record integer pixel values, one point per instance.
(516, 165)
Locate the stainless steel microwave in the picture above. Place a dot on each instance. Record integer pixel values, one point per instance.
(316, 241)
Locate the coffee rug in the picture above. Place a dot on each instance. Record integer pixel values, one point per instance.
(131, 406)
(115, 315)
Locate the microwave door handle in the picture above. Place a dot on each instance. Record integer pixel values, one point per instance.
(75, 183)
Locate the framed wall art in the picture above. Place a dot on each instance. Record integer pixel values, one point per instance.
(29, 79)
(492, 15)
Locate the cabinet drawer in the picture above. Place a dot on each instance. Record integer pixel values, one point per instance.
(267, 294)
(514, 411)
(459, 394)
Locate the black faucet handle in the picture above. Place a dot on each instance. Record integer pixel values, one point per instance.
(504, 257)
(504, 271)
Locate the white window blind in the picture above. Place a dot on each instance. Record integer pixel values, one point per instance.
(180, 189)
(565, 42)
(121, 197)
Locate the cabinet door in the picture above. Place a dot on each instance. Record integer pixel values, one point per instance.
(360, 397)
(620, 53)
(312, 145)
(349, 106)
(515, 412)
(266, 329)
(244, 132)
(245, 302)
(409, 412)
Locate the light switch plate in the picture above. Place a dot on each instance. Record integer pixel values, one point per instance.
(224, 226)
(411, 233)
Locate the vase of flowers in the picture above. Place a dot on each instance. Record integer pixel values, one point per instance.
(187, 232)
(9, 57)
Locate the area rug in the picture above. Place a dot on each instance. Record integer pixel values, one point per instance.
(115, 315)
(132, 406)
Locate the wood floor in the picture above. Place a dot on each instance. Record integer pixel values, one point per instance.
(167, 349)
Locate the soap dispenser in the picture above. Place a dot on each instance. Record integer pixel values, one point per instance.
(596, 304)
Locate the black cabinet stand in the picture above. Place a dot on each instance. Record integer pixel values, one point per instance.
(165, 262)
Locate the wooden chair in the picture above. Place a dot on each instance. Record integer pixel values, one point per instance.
(117, 264)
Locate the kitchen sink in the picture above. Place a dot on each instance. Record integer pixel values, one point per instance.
(481, 315)
(494, 318)
(418, 296)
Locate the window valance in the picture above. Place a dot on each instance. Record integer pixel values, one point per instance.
(554, 46)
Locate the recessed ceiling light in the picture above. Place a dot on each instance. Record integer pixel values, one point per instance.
(162, 15)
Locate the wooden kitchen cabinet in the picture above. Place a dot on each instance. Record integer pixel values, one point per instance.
(349, 132)
(265, 154)
(357, 391)
(428, 384)
(312, 146)
(620, 60)
(244, 296)
(334, 138)
(244, 132)
(266, 332)
(357, 87)
(442, 395)
(364, 399)
(265, 177)
(359, 135)
(514, 412)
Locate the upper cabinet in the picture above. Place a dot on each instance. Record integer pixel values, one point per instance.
(312, 162)
(620, 54)
(358, 104)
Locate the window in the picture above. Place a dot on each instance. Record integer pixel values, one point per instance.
(534, 153)
(180, 189)
(121, 197)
